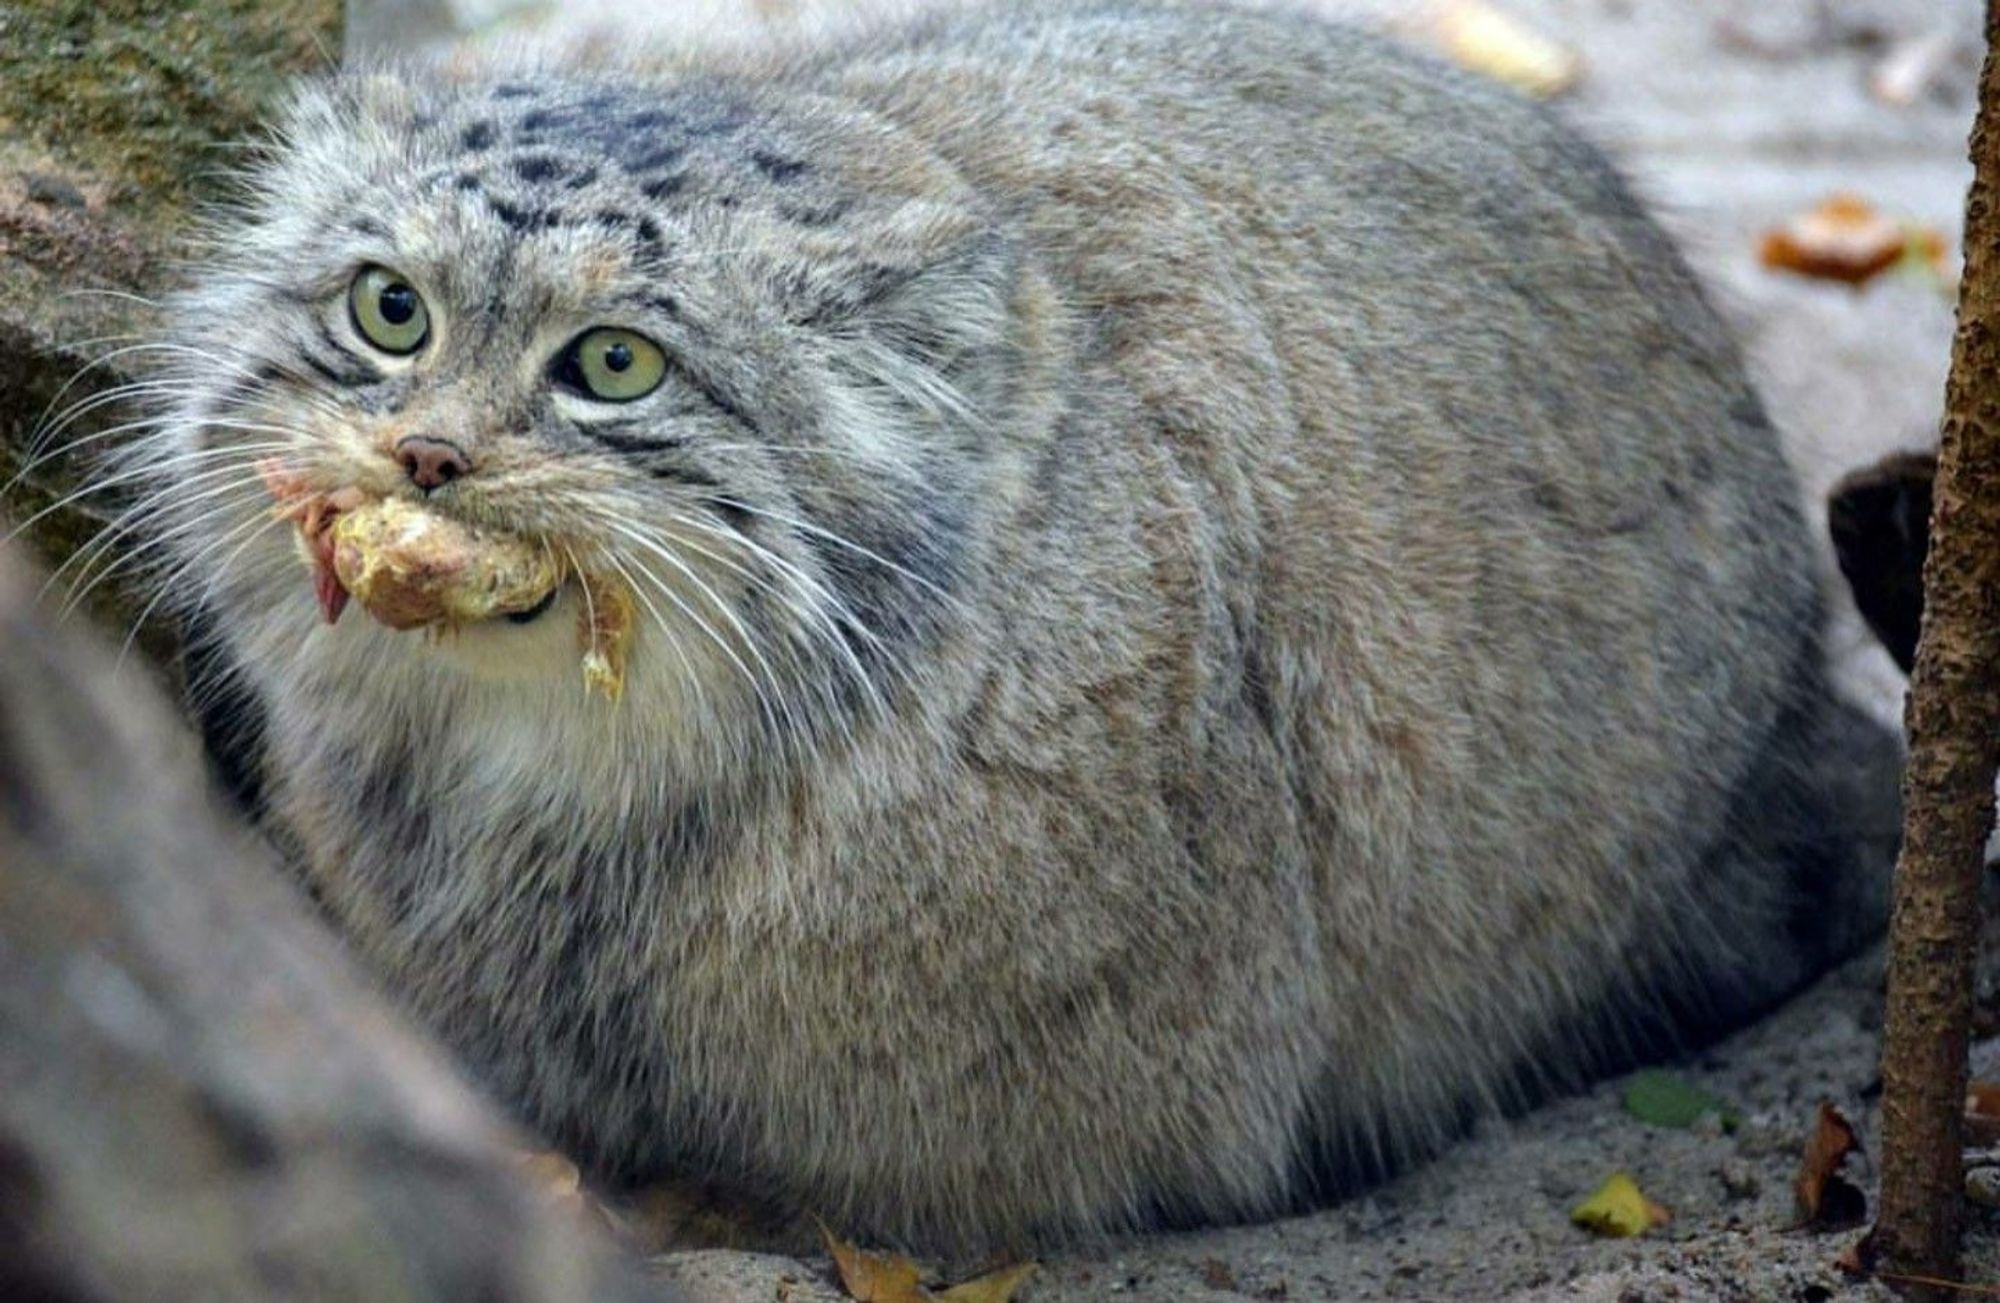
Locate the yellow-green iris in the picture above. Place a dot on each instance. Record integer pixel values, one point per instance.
(388, 312)
(617, 366)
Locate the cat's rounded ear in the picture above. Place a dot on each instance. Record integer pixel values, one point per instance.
(928, 279)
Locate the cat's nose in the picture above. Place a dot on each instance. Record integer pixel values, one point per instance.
(432, 463)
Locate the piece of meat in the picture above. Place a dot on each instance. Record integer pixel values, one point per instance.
(412, 568)
(604, 628)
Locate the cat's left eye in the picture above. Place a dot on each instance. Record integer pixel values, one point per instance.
(388, 311)
(613, 365)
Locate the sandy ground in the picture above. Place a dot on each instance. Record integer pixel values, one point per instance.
(1731, 117)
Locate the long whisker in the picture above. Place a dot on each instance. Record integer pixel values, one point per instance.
(757, 685)
(665, 627)
(232, 497)
(96, 292)
(134, 516)
(254, 525)
(736, 504)
(816, 623)
(181, 385)
(149, 471)
(802, 594)
(128, 350)
(789, 450)
(164, 428)
(47, 432)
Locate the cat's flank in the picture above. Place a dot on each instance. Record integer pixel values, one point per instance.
(1208, 600)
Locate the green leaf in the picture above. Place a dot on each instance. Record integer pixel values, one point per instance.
(1662, 1099)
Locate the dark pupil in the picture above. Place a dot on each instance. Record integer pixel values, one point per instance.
(397, 304)
(618, 357)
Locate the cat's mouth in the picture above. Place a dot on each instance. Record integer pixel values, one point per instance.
(411, 567)
(533, 613)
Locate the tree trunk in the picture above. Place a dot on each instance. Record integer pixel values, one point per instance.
(1954, 726)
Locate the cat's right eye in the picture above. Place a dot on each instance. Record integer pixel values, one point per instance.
(388, 311)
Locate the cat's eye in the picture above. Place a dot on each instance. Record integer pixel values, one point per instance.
(388, 312)
(612, 365)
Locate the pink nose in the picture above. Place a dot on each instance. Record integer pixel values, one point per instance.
(432, 463)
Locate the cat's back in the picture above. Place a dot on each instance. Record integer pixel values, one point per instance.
(1402, 324)
(1504, 536)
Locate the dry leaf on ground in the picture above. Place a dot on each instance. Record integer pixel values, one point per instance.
(1478, 37)
(892, 1278)
(1912, 67)
(552, 1174)
(1845, 239)
(874, 1277)
(1619, 1208)
(1825, 1199)
(994, 1287)
(1858, 1258)
(1982, 1113)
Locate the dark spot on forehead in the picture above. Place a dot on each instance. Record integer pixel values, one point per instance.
(724, 122)
(814, 215)
(538, 167)
(465, 181)
(369, 226)
(513, 90)
(650, 120)
(645, 228)
(521, 219)
(477, 136)
(544, 119)
(581, 179)
(665, 186)
(780, 169)
(652, 156)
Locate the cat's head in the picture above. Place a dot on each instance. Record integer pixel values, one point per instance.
(751, 356)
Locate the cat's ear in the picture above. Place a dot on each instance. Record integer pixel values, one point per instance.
(929, 282)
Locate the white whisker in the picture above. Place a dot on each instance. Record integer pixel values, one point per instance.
(666, 554)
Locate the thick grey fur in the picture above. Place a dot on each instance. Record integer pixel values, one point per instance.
(1215, 602)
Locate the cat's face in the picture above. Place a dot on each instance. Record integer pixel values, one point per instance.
(744, 357)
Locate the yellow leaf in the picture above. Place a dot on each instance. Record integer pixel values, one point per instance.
(1824, 1198)
(873, 1277)
(994, 1287)
(1620, 1208)
(1478, 37)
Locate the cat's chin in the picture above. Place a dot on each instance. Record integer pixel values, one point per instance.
(511, 649)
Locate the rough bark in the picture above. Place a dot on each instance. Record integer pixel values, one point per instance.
(198, 1099)
(1954, 726)
(117, 118)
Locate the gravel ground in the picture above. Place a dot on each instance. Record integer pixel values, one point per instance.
(1731, 118)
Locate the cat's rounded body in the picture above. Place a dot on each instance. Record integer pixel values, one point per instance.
(1214, 598)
